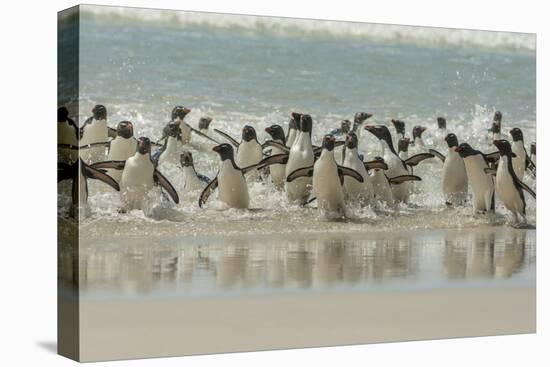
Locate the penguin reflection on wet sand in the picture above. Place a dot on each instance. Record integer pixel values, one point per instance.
(509, 187)
(328, 178)
(79, 172)
(230, 181)
(455, 178)
(139, 176)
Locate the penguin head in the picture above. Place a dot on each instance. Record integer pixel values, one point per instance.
(328, 142)
(403, 145)
(465, 150)
(100, 112)
(292, 124)
(125, 129)
(441, 123)
(345, 126)
(497, 117)
(179, 113)
(173, 130)
(224, 150)
(504, 148)
(144, 145)
(360, 117)
(204, 123)
(186, 159)
(533, 148)
(62, 114)
(351, 140)
(452, 140)
(306, 123)
(249, 133)
(399, 126)
(495, 128)
(276, 132)
(417, 131)
(379, 159)
(380, 131)
(517, 134)
(297, 118)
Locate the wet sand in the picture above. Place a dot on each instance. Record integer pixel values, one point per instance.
(120, 330)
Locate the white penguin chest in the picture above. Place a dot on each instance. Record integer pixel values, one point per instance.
(326, 181)
(249, 153)
(505, 187)
(475, 166)
(121, 149)
(94, 132)
(232, 186)
(137, 173)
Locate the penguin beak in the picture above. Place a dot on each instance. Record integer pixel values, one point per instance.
(370, 128)
(458, 149)
(186, 110)
(216, 148)
(268, 130)
(369, 115)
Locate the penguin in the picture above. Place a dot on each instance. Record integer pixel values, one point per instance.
(94, 133)
(249, 150)
(455, 178)
(230, 181)
(177, 117)
(496, 126)
(521, 161)
(79, 172)
(300, 156)
(169, 154)
(139, 175)
(396, 166)
(345, 127)
(509, 187)
(483, 187)
(192, 180)
(417, 143)
(277, 171)
(293, 129)
(204, 129)
(358, 121)
(441, 132)
(381, 184)
(533, 155)
(355, 190)
(122, 147)
(399, 129)
(67, 137)
(403, 148)
(327, 178)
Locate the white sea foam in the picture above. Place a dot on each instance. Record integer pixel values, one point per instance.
(291, 27)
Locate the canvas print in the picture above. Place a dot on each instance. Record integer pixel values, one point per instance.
(240, 183)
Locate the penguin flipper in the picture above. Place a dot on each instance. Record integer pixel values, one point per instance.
(437, 154)
(209, 189)
(275, 144)
(111, 133)
(228, 137)
(166, 185)
(397, 180)
(528, 189)
(203, 178)
(492, 157)
(300, 172)
(91, 172)
(490, 171)
(377, 163)
(345, 171)
(273, 159)
(530, 165)
(417, 158)
(109, 164)
(205, 136)
(94, 145)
